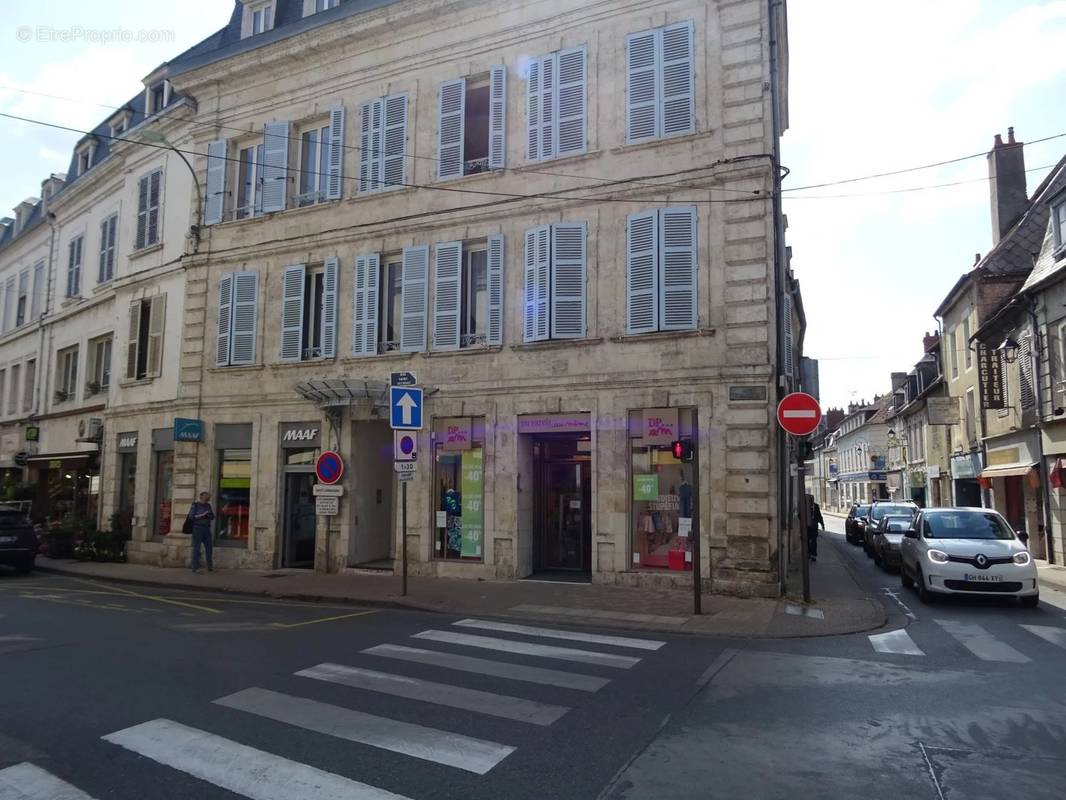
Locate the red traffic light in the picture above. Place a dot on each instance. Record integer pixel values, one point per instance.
(682, 450)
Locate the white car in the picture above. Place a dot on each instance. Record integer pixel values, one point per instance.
(967, 551)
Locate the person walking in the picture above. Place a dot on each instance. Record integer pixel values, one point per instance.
(200, 515)
(814, 519)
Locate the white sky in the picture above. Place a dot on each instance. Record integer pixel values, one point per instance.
(874, 87)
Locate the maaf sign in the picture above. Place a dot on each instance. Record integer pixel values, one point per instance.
(299, 435)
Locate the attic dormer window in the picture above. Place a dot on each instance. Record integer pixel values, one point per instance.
(318, 6)
(258, 18)
(158, 97)
(84, 155)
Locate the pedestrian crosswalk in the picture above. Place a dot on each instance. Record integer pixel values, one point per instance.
(981, 643)
(381, 701)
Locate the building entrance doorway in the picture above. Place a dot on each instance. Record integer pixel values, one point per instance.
(298, 535)
(562, 506)
(369, 485)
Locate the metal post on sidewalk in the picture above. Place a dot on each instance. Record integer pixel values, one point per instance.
(805, 555)
(403, 526)
(697, 583)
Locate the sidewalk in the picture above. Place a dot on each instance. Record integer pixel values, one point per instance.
(1051, 576)
(840, 605)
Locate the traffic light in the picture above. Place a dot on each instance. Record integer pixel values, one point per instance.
(682, 450)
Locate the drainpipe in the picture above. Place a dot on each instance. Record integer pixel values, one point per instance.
(1045, 482)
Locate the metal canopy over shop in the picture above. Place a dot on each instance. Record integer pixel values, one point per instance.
(1007, 470)
(341, 392)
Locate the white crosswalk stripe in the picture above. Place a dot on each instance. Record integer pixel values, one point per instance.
(496, 705)
(531, 649)
(242, 770)
(981, 643)
(1056, 636)
(554, 633)
(496, 669)
(28, 782)
(443, 747)
(898, 642)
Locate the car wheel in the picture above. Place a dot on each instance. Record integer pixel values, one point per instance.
(904, 578)
(1031, 601)
(25, 567)
(924, 594)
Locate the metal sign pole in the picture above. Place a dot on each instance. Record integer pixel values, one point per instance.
(803, 522)
(403, 526)
(697, 587)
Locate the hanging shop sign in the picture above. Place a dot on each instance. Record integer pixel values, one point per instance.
(33, 433)
(660, 425)
(991, 377)
(942, 410)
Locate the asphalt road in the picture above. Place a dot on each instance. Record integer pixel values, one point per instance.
(122, 692)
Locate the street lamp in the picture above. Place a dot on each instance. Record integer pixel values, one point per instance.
(155, 137)
(1009, 350)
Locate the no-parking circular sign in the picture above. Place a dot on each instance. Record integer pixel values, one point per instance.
(329, 468)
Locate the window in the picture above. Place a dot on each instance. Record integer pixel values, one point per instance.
(13, 395)
(28, 386)
(74, 253)
(148, 210)
(467, 294)
(554, 282)
(377, 310)
(9, 304)
(237, 313)
(262, 19)
(1058, 371)
(971, 417)
(318, 6)
(1058, 223)
(158, 97)
(144, 345)
(39, 289)
(164, 492)
(383, 143)
(66, 374)
(83, 162)
(309, 312)
(99, 378)
(967, 353)
(953, 349)
(555, 124)
(250, 182)
(314, 165)
(661, 273)
(3, 386)
(21, 305)
(471, 118)
(108, 231)
(459, 477)
(234, 496)
(118, 127)
(659, 83)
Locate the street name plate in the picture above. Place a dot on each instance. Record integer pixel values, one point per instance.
(327, 490)
(327, 506)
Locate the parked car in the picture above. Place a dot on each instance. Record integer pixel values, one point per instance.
(967, 551)
(855, 524)
(18, 542)
(879, 510)
(888, 536)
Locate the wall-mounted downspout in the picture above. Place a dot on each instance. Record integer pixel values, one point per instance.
(1045, 474)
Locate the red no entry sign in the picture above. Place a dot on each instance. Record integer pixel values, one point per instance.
(799, 413)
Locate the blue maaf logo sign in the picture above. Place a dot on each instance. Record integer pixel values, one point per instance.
(188, 430)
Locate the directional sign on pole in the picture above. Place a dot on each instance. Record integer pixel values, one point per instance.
(799, 413)
(405, 403)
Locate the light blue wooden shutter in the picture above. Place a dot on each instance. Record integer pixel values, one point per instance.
(292, 313)
(496, 288)
(225, 320)
(366, 129)
(549, 82)
(39, 290)
(533, 111)
(678, 82)
(245, 316)
(537, 284)
(678, 271)
(365, 305)
(497, 117)
(642, 272)
(142, 213)
(642, 85)
(571, 102)
(451, 106)
(335, 160)
(568, 281)
(275, 166)
(155, 181)
(216, 182)
(414, 300)
(329, 308)
(447, 281)
(394, 156)
(787, 355)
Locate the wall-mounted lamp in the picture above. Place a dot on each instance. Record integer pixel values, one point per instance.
(1009, 350)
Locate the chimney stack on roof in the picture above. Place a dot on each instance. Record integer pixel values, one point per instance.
(929, 341)
(1006, 170)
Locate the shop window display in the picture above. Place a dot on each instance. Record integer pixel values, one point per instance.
(234, 496)
(459, 478)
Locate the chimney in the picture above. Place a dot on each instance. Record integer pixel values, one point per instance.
(929, 341)
(1006, 172)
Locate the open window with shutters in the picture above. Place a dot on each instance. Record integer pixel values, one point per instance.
(108, 235)
(321, 159)
(660, 83)
(383, 144)
(661, 270)
(144, 345)
(471, 122)
(238, 302)
(556, 87)
(98, 369)
(74, 259)
(309, 311)
(249, 190)
(555, 282)
(66, 374)
(149, 198)
(468, 294)
(22, 304)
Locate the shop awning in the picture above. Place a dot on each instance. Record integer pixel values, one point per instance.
(37, 458)
(1006, 471)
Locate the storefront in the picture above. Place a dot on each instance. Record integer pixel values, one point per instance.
(233, 457)
(1012, 476)
(126, 447)
(67, 487)
(965, 469)
(162, 483)
(458, 481)
(300, 447)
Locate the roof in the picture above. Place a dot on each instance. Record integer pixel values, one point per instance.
(1046, 265)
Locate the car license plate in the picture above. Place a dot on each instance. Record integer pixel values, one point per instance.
(983, 578)
(8, 539)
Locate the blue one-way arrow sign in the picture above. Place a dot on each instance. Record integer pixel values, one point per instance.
(405, 403)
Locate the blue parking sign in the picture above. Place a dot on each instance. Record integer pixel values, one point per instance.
(405, 403)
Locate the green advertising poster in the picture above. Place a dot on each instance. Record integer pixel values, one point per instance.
(646, 487)
(473, 524)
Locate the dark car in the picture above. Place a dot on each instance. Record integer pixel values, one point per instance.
(18, 542)
(855, 524)
(880, 510)
(888, 536)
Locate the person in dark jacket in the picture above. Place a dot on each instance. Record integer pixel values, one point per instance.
(201, 515)
(814, 519)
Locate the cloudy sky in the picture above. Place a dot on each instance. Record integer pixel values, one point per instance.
(874, 87)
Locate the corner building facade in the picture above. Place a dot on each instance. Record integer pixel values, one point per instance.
(558, 217)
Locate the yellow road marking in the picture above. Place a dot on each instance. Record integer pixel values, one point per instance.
(260, 602)
(157, 599)
(81, 603)
(323, 619)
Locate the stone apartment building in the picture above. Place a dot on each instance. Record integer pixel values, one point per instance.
(861, 444)
(560, 217)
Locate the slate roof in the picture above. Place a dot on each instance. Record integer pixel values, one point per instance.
(1046, 264)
